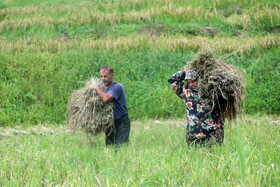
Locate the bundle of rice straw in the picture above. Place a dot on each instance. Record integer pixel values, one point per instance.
(220, 82)
(87, 111)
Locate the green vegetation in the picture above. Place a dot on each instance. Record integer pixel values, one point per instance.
(50, 48)
(157, 155)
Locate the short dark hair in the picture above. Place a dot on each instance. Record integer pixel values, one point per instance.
(107, 68)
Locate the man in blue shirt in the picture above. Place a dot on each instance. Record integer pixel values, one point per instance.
(115, 92)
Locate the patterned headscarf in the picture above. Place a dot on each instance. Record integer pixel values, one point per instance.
(191, 74)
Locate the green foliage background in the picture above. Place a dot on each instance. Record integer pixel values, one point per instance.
(41, 65)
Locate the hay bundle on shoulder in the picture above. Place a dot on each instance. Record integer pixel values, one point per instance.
(88, 112)
(220, 82)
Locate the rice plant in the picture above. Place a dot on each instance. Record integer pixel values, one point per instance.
(55, 156)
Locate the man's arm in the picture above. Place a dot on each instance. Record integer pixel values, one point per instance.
(105, 97)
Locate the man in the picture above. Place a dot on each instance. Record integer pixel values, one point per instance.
(115, 92)
(204, 125)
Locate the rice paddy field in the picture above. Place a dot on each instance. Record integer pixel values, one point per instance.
(157, 155)
(50, 48)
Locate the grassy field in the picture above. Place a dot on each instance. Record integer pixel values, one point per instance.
(157, 155)
(49, 48)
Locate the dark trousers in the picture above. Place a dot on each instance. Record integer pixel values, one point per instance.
(119, 133)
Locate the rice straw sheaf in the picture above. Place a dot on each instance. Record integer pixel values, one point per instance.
(219, 82)
(88, 112)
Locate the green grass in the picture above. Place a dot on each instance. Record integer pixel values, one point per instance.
(157, 155)
(85, 19)
(39, 93)
(50, 48)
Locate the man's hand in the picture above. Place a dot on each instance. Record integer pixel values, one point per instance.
(88, 83)
(105, 97)
(94, 86)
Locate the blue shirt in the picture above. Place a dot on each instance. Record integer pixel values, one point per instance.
(117, 90)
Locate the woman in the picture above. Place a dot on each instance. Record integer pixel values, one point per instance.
(204, 125)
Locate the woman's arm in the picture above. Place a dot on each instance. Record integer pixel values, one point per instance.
(176, 82)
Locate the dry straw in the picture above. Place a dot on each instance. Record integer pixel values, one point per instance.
(88, 112)
(219, 82)
(143, 42)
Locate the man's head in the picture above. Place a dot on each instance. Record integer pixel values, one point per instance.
(191, 78)
(107, 75)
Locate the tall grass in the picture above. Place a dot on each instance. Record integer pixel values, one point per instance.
(253, 17)
(144, 42)
(156, 155)
(36, 87)
(50, 48)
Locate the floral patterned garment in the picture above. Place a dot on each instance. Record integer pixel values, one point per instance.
(201, 120)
